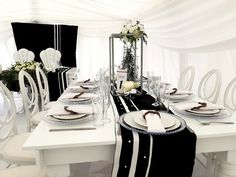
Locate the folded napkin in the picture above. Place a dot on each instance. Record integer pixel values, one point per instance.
(154, 123)
(80, 109)
(82, 96)
(199, 106)
(175, 91)
(83, 87)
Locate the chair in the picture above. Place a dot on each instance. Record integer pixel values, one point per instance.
(43, 89)
(23, 171)
(30, 96)
(186, 79)
(209, 86)
(50, 58)
(11, 149)
(230, 95)
(23, 55)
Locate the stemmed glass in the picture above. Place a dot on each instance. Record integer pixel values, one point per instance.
(165, 94)
(150, 75)
(155, 86)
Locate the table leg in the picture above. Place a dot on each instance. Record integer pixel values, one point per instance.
(226, 164)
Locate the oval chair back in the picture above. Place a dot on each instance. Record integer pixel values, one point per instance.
(186, 79)
(209, 86)
(29, 94)
(230, 95)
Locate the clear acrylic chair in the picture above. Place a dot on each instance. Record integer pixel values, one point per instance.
(30, 98)
(43, 89)
(209, 86)
(11, 142)
(23, 55)
(186, 79)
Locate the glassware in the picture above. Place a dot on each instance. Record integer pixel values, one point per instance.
(156, 90)
(150, 75)
(165, 95)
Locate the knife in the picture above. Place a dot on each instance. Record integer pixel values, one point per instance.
(71, 129)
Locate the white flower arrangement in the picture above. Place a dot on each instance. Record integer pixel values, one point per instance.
(27, 65)
(133, 32)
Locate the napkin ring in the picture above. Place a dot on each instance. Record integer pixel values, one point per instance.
(202, 104)
(174, 91)
(151, 112)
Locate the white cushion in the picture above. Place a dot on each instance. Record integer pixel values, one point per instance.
(23, 171)
(38, 117)
(13, 152)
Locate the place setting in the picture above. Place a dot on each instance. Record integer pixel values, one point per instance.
(152, 122)
(69, 114)
(202, 109)
(78, 97)
(178, 95)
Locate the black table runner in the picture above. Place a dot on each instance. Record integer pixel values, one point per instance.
(146, 155)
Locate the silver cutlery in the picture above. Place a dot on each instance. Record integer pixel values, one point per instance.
(71, 129)
(214, 122)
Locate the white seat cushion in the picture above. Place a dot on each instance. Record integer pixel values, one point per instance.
(23, 171)
(13, 152)
(38, 117)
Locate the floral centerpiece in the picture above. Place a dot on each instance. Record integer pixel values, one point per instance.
(10, 76)
(129, 35)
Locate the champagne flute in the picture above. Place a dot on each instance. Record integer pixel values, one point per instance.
(156, 89)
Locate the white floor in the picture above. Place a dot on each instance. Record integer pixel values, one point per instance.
(21, 126)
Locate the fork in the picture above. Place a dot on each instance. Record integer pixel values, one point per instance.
(214, 122)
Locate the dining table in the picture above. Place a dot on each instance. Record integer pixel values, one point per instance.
(57, 146)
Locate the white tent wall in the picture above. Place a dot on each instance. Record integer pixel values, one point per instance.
(180, 32)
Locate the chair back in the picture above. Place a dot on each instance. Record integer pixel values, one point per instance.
(43, 87)
(186, 79)
(7, 117)
(51, 58)
(29, 94)
(209, 86)
(230, 95)
(23, 55)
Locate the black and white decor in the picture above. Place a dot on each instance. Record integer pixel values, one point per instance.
(148, 155)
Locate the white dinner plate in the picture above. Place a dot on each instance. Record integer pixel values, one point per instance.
(217, 113)
(75, 100)
(69, 116)
(166, 119)
(181, 96)
(129, 119)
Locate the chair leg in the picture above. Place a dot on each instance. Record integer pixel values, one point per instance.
(211, 165)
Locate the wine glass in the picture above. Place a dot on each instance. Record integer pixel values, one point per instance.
(156, 89)
(150, 75)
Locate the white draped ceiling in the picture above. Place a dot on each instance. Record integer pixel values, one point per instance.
(180, 32)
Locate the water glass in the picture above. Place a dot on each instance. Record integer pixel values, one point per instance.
(150, 75)
(155, 86)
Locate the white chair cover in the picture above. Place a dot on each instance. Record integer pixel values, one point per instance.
(51, 59)
(23, 55)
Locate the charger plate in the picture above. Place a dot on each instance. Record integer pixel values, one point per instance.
(130, 124)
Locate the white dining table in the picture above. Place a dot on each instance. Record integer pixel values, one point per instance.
(55, 151)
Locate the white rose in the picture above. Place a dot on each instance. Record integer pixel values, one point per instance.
(129, 85)
(131, 30)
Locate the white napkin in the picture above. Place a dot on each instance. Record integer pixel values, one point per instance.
(71, 95)
(154, 122)
(180, 92)
(190, 105)
(80, 109)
